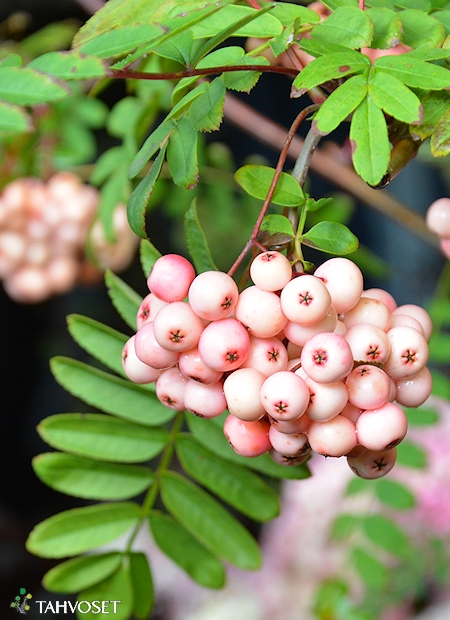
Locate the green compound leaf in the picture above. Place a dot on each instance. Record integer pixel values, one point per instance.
(142, 582)
(26, 86)
(206, 111)
(277, 224)
(210, 434)
(81, 477)
(392, 96)
(209, 522)
(102, 437)
(415, 72)
(347, 25)
(102, 342)
(139, 199)
(196, 241)
(109, 393)
(387, 27)
(13, 119)
(410, 454)
(421, 30)
(149, 255)
(388, 535)
(331, 237)
(153, 143)
(236, 485)
(180, 546)
(370, 143)
(256, 181)
(80, 573)
(116, 587)
(329, 67)
(81, 529)
(373, 572)
(341, 103)
(182, 153)
(394, 494)
(125, 300)
(69, 65)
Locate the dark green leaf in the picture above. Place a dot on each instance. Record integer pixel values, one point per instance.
(256, 181)
(182, 154)
(177, 48)
(81, 529)
(142, 582)
(421, 30)
(102, 342)
(410, 454)
(196, 241)
(387, 27)
(206, 111)
(341, 103)
(274, 223)
(373, 573)
(331, 237)
(149, 255)
(394, 494)
(209, 522)
(384, 532)
(237, 486)
(344, 526)
(152, 144)
(29, 87)
(69, 65)
(370, 143)
(80, 573)
(139, 199)
(329, 67)
(81, 477)
(102, 437)
(347, 25)
(110, 393)
(422, 416)
(13, 119)
(125, 300)
(414, 72)
(435, 104)
(392, 96)
(117, 587)
(184, 549)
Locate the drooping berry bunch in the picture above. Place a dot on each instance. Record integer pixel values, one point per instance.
(301, 362)
(43, 232)
(438, 221)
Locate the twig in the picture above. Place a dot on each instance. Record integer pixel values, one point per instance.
(303, 162)
(126, 74)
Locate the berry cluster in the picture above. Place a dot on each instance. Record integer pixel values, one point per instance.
(301, 362)
(43, 231)
(438, 221)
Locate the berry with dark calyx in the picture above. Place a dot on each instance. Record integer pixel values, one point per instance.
(224, 345)
(305, 300)
(213, 295)
(247, 438)
(336, 437)
(150, 352)
(372, 464)
(177, 327)
(368, 387)
(270, 271)
(327, 358)
(292, 444)
(284, 460)
(193, 367)
(205, 400)
(268, 355)
(382, 428)
(170, 388)
(409, 352)
(284, 395)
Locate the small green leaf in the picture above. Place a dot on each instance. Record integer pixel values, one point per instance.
(441, 386)
(410, 454)
(373, 572)
(370, 143)
(396, 99)
(110, 393)
(206, 111)
(394, 494)
(328, 597)
(102, 437)
(119, 41)
(329, 67)
(264, 26)
(102, 342)
(388, 535)
(26, 86)
(274, 224)
(81, 477)
(106, 164)
(414, 72)
(421, 30)
(181, 547)
(80, 529)
(123, 116)
(152, 144)
(177, 48)
(209, 522)
(142, 582)
(196, 241)
(387, 27)
(440, 146)
(182, 105)
(80, 573)
(321, 48)
(149, 255)
(444, 18)
(237, 486)
(125, 300)
(422, 416)
(11, 60)
(116, 590)
(139, 199)
(347, 25)
(357, 485)
(182, 154)
(344, 525)
(13, 119)
(244, 81)
(341, 103)
(69, 65)
(256, 181)
(331, 237)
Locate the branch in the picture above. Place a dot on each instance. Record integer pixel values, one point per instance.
(126, 74)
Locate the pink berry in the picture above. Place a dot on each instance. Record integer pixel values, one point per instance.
(268, 355)
(299, 425)
(260, 311)
(305, 300)
(248, 439)
(193, 367)
(343, 280)
(373, 464)
(270, 271)
(368, 387)
(336, 437)
(284, 460)
(368, 311)
(149, 308)
(171, 277)
(150, 352)
(295, 444)
(177, 327)
(382, 428)
(326, 399)
(438, 217)
(170, 388)
(242, 390)
(351, 412)
(137, 371)
(284, 395)
(413, 391)
(213, 295)
(368, 343)
(445, 247)
(207, 401)
(418, 313)
(327, 358)
(224, 345)
(299, 334)
(381, 295)
(409, 352)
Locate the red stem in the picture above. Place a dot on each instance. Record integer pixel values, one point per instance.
(176, 75)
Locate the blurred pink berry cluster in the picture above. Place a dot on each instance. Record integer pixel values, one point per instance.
(303, 363)
(43, 232)
(438, 221)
